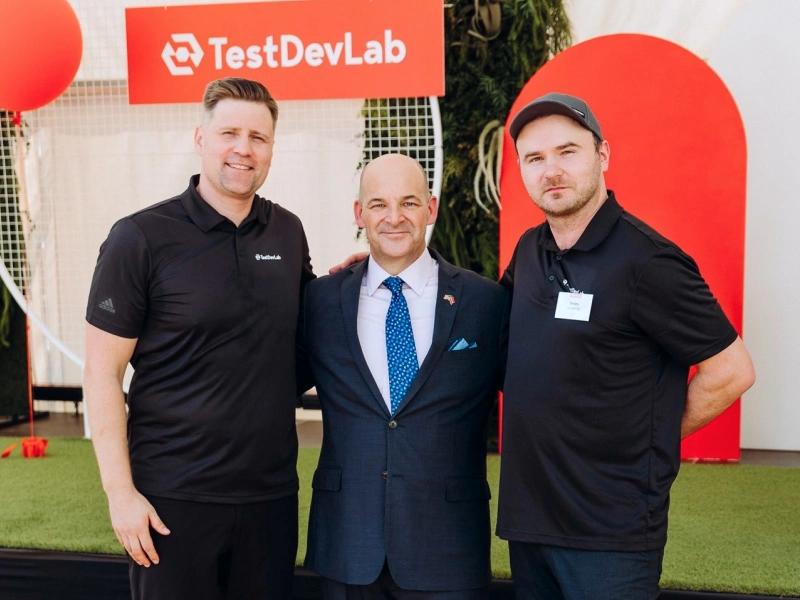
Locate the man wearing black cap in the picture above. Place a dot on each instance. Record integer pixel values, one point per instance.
(607, 317)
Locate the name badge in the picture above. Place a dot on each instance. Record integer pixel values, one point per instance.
(574, 306)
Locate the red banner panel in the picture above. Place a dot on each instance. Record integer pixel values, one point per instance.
(299, 50)
(678, 161)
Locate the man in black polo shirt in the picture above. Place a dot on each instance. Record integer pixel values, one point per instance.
(607, 318)
(201, 293)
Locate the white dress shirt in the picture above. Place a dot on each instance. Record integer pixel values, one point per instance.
(420, 285)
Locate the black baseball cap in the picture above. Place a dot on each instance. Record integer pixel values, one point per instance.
(555, 103)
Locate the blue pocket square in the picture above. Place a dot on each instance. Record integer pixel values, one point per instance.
(461, 344)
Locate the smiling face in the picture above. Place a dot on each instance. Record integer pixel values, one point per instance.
(394, 208)
(235, 145)
(561, 166)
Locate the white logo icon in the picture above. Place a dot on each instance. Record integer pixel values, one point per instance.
(108, 306)
(186, 50)
(268, 257)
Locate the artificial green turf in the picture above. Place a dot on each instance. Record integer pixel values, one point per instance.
(733, 528)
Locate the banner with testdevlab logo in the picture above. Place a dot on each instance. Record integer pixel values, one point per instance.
(301, 49)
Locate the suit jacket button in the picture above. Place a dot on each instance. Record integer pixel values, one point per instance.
(385, 475)
(392, 424)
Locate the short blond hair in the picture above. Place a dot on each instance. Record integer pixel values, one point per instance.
(237, 88)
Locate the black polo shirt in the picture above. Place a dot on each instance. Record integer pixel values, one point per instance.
(215, 309)
(592, 409)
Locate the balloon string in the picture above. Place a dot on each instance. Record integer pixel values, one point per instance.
(31, 412)
(17, 121)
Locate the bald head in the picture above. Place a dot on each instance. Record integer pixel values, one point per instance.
(393, 169)
(394, 207)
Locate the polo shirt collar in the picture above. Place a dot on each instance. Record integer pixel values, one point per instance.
(596, 231)
(206, 218)
(259, 211)
(415, 275)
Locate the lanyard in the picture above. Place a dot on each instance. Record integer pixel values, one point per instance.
(567, 287)
(564, 282)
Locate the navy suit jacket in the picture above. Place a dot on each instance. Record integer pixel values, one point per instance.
(410, 489)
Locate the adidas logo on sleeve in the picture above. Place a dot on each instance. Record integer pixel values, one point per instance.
(108, 306)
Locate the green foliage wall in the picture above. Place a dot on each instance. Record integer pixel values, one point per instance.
(483, 79)
(14, 366)
(13, 357)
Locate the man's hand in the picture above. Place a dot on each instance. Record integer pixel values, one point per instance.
(352, 259)
(719, 381)
(132, 516)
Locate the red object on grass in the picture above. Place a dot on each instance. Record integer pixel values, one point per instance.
(41, 46)
(33, 447)
(7, 452)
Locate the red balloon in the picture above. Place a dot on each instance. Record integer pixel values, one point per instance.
(40, 50)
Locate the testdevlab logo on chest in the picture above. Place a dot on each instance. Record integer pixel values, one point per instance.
(268, 257)
(183, 53)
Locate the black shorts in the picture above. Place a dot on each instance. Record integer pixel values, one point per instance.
(221, 551)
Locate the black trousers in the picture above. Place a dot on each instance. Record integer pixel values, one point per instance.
(221, 552)
(385, 588)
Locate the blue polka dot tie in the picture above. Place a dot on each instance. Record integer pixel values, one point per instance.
(401, 353)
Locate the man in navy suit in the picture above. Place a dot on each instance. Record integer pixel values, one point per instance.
(406, 351)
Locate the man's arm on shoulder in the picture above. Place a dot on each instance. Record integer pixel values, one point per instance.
(107, 357)
(303, 378)
(719, 381)
(304, 375)
(350, 260)
(506, 318)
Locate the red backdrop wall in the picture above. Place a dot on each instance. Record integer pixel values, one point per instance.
(678, 161)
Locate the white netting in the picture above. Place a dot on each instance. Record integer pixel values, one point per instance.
(90, 158)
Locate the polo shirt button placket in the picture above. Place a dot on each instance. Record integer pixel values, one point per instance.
(236, 252)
